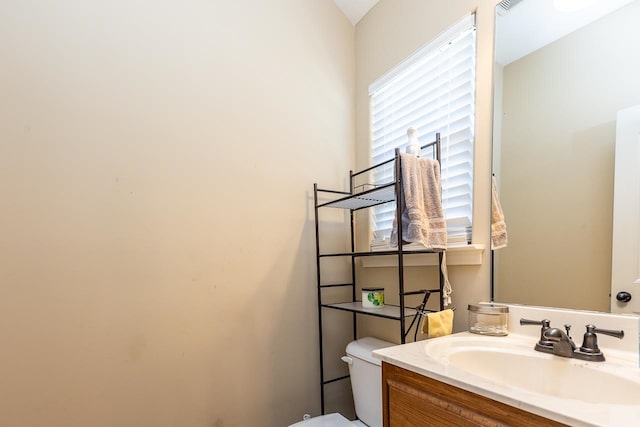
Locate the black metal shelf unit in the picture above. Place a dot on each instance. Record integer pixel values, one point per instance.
(354, 201)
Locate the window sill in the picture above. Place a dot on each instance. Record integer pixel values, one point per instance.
(457, 255)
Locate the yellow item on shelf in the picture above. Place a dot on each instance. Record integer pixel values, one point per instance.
(438, 324)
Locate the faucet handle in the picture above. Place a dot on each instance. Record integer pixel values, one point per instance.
(589, 349)
(590, 339)
(610, 332)
(546, 323)
(543, 344)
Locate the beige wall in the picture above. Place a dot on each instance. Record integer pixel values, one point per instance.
(157, 253)
(557, 163)
(388, 34)
(157, 262)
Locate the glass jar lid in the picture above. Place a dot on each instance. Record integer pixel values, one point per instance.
(488, 308)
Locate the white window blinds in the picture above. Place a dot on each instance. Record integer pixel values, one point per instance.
(432, 91)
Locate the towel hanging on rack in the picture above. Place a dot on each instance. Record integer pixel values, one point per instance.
(438, 324)
(422, 213)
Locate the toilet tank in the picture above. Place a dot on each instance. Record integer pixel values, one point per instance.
(366, 379)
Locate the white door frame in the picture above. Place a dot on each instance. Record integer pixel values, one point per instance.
(625, 262)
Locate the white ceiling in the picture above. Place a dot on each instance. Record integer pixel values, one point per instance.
(355, 9)
(532, 24)
(539, 20)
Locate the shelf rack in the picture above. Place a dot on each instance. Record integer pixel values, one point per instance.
(353, 201)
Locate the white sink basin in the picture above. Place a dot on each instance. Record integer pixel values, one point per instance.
(513, 363)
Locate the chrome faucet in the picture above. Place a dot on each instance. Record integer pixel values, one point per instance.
(558, 342)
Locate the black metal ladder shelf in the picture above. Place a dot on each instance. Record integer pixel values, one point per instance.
(353, 201)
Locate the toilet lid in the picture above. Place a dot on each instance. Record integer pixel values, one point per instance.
(329, 420)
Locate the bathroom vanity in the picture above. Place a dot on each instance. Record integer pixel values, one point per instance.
(411, 399)
(468, 379)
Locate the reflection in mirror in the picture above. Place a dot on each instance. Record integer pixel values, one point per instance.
(557, 92)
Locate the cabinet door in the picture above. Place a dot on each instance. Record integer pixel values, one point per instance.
(411, 400)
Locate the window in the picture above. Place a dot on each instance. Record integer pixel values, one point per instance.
(432, 91)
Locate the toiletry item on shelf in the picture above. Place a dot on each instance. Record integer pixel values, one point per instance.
(380, 245)
(413, 146)
(488, 319)
(372, 297)
(438, 324)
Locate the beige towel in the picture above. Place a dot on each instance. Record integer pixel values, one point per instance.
(422, 214)
(438, 324)
(498, 226)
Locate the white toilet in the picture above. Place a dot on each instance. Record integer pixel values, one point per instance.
(366, 383)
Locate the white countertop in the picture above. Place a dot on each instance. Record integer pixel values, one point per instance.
(413, 357)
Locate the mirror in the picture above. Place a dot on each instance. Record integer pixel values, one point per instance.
(561, 76)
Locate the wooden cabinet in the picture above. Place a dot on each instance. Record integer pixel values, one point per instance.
(411, 400)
